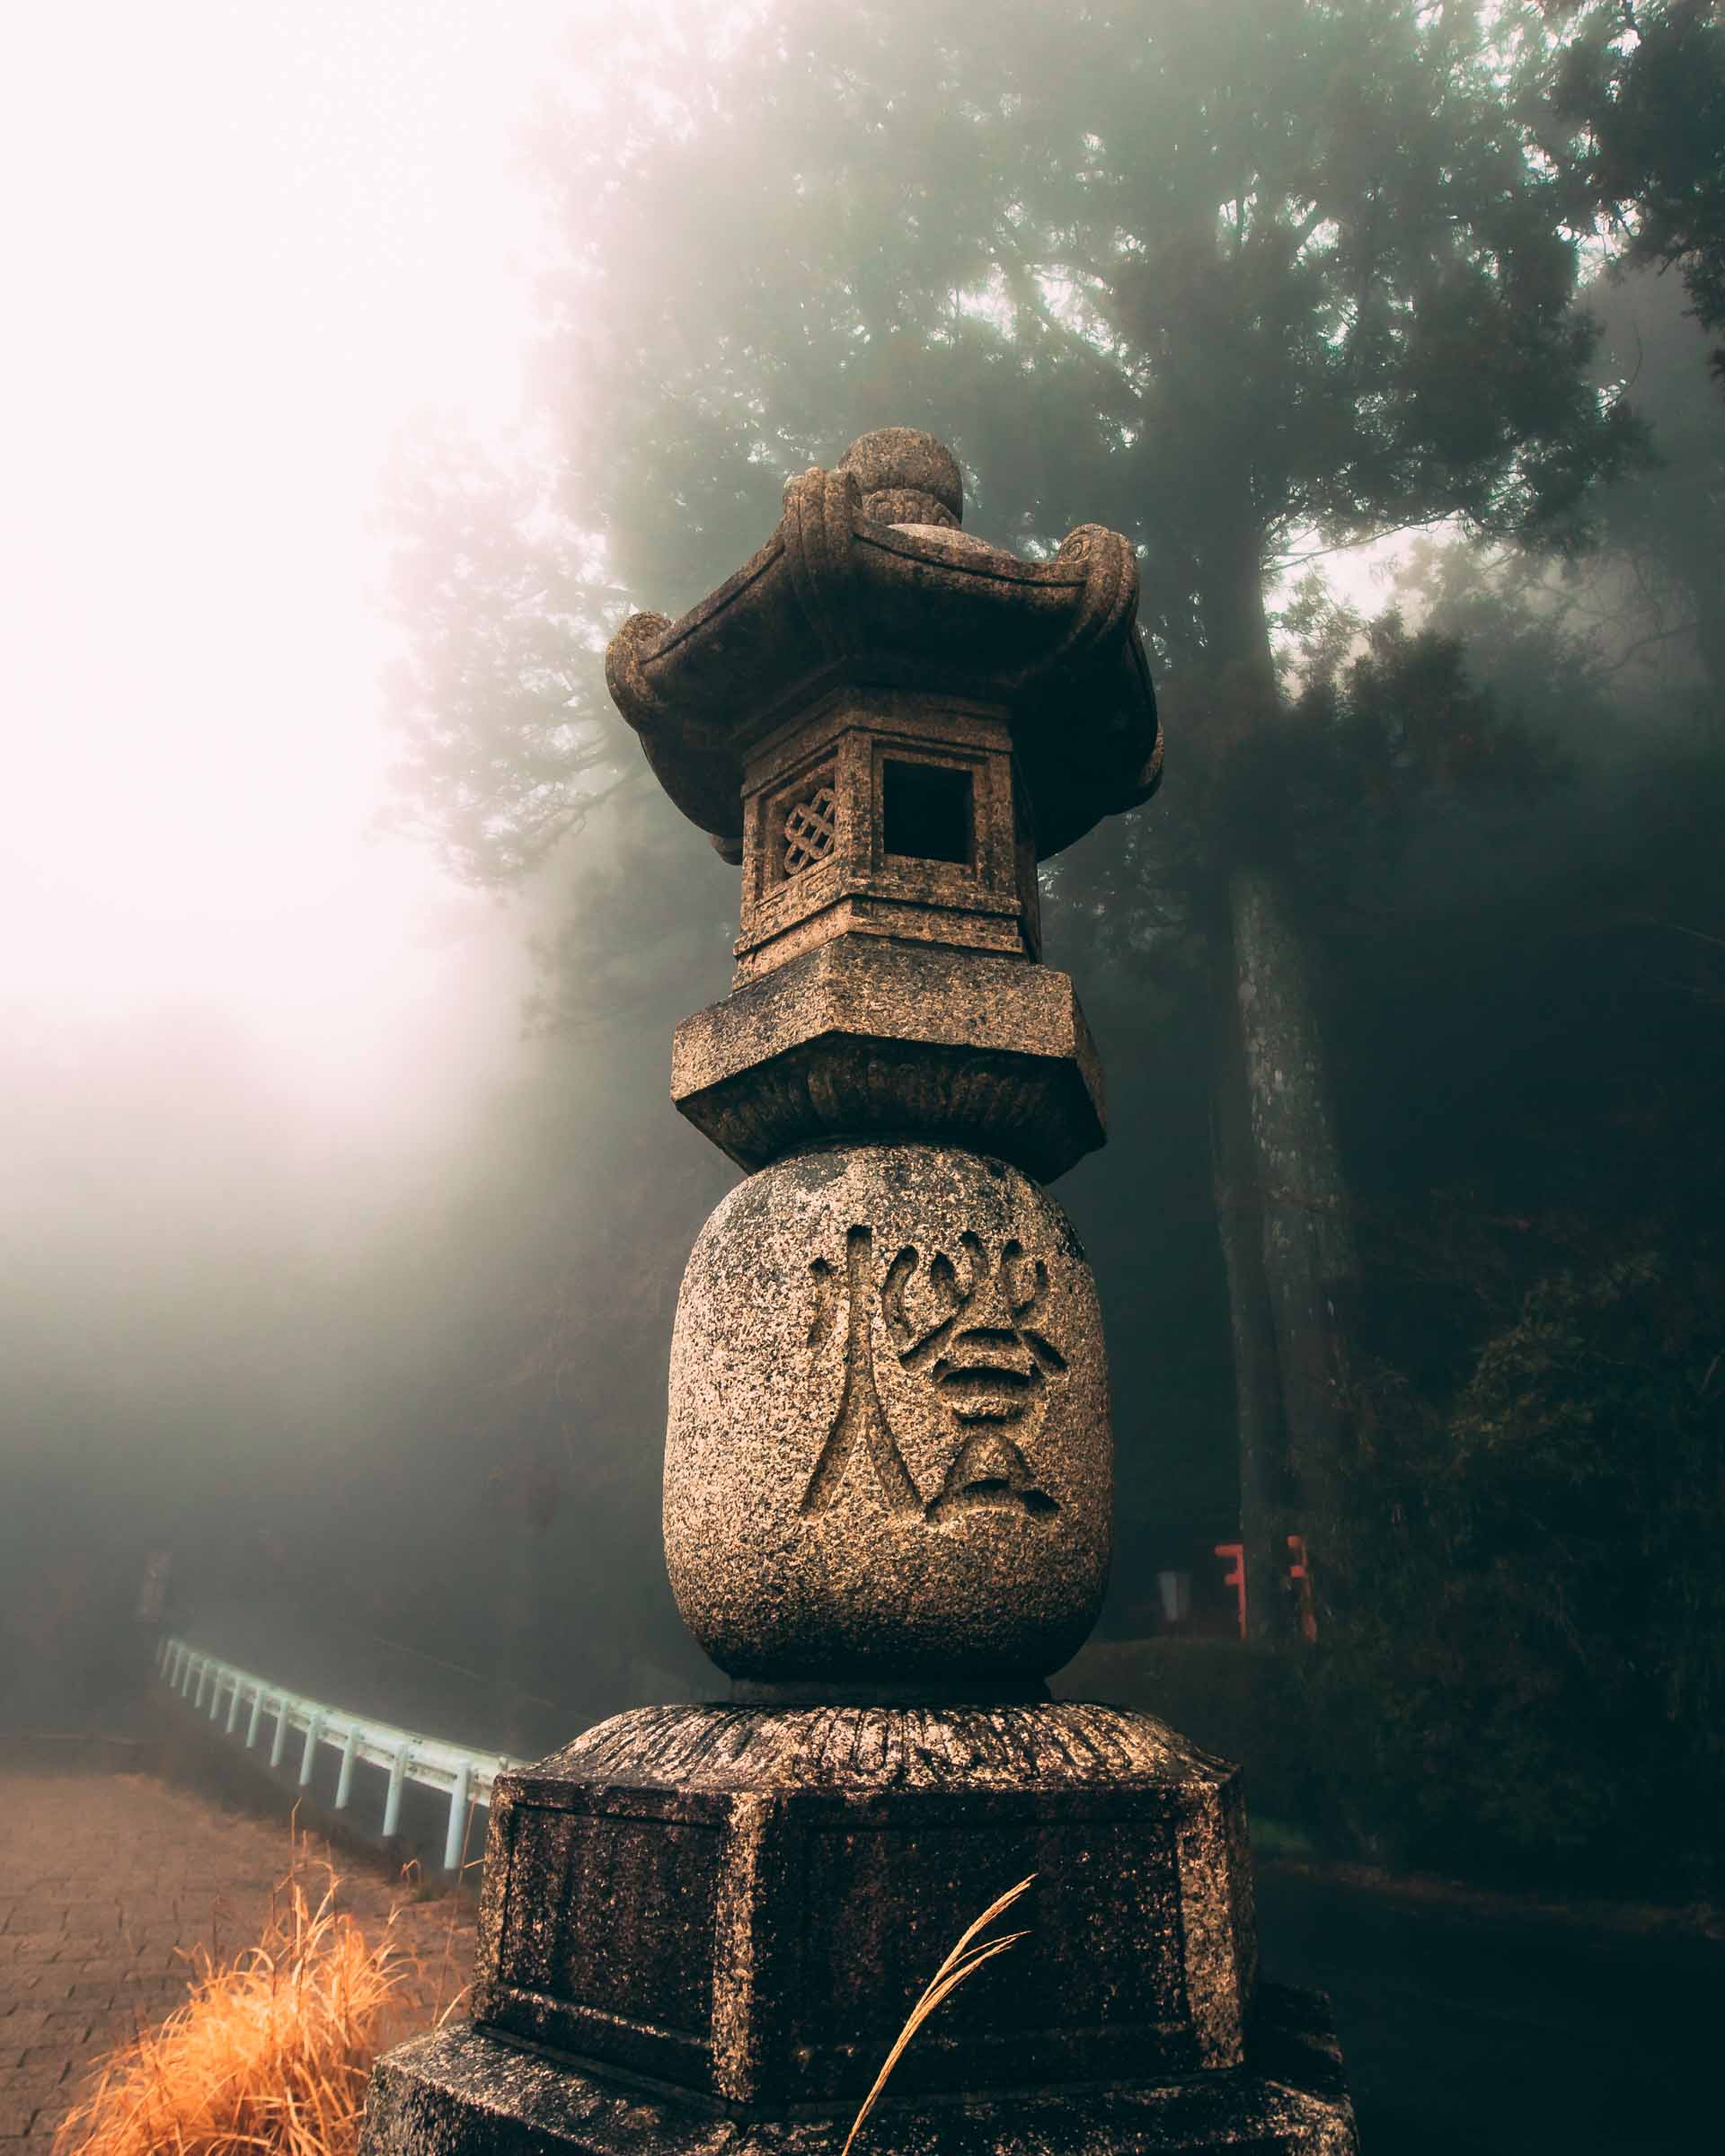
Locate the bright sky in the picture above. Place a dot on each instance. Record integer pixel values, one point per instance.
(245, 241)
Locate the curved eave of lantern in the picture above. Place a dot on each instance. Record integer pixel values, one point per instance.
(835, 597)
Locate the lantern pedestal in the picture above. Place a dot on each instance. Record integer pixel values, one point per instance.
(703, 1928)
(744, 1902)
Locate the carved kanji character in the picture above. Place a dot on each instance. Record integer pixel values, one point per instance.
(985, 1353)
(988, 1361)
(861, 1422)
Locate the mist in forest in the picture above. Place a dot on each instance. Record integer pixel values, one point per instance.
(380, 369)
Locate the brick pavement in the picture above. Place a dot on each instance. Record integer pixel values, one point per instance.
(107, 1881)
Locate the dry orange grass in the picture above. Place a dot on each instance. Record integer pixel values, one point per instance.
(272, 2052)
(965, 1960)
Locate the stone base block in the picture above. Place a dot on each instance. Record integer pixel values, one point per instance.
(465, 2091)
(744, 1902)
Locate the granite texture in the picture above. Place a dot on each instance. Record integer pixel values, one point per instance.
(744, 1902)
(838, 595)
(864, 1037)
(467, 2090)
(902, 474)
(888, 1451)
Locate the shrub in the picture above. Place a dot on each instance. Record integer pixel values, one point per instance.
(1527, 1669)
(272, 2052)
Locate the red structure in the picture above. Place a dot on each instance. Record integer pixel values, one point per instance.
(1235, 1577)
(1299, 1571)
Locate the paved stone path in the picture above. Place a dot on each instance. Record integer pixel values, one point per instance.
(107, 1881)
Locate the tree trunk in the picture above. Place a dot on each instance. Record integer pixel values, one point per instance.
(1708, 591)
(1266, 1516)
(1280, 1172)
(1309, 1263)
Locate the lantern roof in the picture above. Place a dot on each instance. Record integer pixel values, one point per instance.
(870, 581)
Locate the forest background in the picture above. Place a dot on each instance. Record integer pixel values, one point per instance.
(1409, 985)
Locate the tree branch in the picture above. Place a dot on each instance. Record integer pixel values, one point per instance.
(1659, 636)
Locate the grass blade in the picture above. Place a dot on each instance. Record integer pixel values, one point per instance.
(962, 1962)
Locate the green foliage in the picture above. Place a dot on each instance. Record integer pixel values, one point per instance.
(1659, 600)
(1642, 92)
(1643, 611)
(1532, 638)
(1530, 1674)
(509, 741)
(639, 925)
(1525, 1007)
(1215, 276)
(1384, 730)
(1375, 737)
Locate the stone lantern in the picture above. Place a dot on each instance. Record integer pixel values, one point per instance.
(888, 1469)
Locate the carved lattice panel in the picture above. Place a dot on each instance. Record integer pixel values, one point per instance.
(810, 829)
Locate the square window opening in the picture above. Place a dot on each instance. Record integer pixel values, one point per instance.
(925, 811)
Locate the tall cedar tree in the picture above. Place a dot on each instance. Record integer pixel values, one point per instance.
(1636, 115)
(1659, 571)
(1224, 278)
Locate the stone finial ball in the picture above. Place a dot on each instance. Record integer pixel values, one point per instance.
(905, 477)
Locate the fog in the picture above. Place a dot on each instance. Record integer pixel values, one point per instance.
(246, 1031)
(374, 361)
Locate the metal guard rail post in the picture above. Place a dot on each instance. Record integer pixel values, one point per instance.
(205, 1682)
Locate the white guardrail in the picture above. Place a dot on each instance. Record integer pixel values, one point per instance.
(466, 1776)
